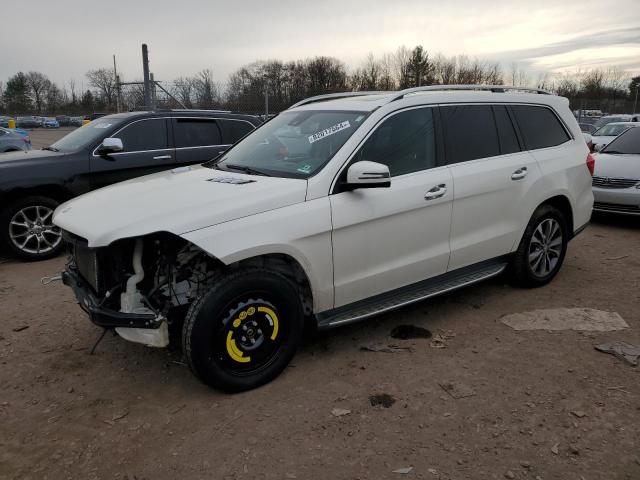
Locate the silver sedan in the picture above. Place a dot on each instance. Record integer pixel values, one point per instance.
(11, 141)
(616, 179)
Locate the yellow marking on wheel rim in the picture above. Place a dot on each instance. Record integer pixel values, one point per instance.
(236, 323)
(274, 318)
(234, 351)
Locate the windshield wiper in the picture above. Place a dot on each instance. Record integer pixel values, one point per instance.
(244, 169)
(50, 148)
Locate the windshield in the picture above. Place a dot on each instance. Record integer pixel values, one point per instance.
(611, 130)
(85, 135)
(294, 144)
(606, 120)
(627, 143)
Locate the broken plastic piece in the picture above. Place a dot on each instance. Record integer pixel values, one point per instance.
(623, 350)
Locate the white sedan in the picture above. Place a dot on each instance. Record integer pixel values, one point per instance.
(616, 180)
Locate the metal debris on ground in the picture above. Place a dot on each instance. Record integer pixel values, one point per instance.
(440, 340)
(403, 471)
(407, 332)
(379, 347)
(582, 319)
(622, 350)
(340, 412)
(21, 328)
(381, 400)
(457, 389)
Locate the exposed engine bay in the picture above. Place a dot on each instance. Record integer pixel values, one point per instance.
(138, 285)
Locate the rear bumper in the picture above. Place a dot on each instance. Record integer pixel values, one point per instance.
(101, 316)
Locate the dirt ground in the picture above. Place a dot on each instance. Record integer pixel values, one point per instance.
(131, 412)
(43, 137)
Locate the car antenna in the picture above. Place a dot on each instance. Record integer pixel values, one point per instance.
(95, 345)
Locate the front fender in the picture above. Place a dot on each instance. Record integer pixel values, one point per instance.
(301, 231)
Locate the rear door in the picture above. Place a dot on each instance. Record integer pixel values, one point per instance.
(491, 175)
(197, 139)
(146, 150)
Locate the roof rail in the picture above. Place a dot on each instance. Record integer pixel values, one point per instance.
(491, 88)
(331, 96)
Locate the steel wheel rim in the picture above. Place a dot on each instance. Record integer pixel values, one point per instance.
(545, 247)
(31, 230)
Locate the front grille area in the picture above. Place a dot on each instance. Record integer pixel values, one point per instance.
(616, 207)
(609, 182)
(87, 263)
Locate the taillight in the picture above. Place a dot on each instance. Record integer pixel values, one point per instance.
(591, 163)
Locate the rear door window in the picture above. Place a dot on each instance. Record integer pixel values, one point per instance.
(196, 132)
(470, 132)
(539, 126)
(506, 132)
(143, 135)
(405, 142)
(233, 130)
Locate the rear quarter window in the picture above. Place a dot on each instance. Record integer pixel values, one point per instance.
(539, 126)
(233, 130)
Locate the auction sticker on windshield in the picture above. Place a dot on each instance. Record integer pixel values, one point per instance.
(329, 131)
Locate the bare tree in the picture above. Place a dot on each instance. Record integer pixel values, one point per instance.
(206, 90)
(182, 88)
(104, 80)
(38, 84)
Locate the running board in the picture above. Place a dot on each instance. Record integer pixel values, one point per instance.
(410, 294)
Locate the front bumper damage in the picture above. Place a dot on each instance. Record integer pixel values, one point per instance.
(147, 328)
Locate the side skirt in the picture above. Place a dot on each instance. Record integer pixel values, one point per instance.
(416, 292)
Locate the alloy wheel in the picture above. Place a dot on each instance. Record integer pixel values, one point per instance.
(545, 247)
(31, 230)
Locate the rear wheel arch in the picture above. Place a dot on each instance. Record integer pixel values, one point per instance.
(563, 204)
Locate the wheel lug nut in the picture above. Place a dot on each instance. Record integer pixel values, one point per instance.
(252, 341)
(259, 332)
(244, 339)
(244, 328)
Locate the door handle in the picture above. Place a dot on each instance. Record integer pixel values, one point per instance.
(162, 157)
(519, 174)
(436, 192)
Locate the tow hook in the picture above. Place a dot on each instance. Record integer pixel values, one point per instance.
(48, 280)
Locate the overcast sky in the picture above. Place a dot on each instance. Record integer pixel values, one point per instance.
(65, 38)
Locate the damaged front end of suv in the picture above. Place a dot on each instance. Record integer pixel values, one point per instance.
(138, 286)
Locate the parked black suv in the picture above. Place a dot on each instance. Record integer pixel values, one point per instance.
(34, 183)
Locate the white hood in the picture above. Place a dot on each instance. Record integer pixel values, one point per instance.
(173, 201)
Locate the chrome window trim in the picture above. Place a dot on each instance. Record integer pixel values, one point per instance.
(93, 153)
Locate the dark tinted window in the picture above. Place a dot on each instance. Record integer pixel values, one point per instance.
(405, 142)
(144, 135)
(539, 126)
(470, 132)
(627, 143)
(506, 132)
(233, 130)
(196, 133)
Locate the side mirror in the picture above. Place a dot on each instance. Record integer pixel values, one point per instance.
(110, 145)
(368, 175)
(598, 147)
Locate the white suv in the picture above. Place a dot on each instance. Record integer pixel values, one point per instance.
(342, 207)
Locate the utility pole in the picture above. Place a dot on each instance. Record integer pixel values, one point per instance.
(266, 102)
(145, 72)
(635, 102)
(117, 80)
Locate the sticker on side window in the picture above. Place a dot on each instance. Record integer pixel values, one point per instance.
(329, 131)
(101, 125)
